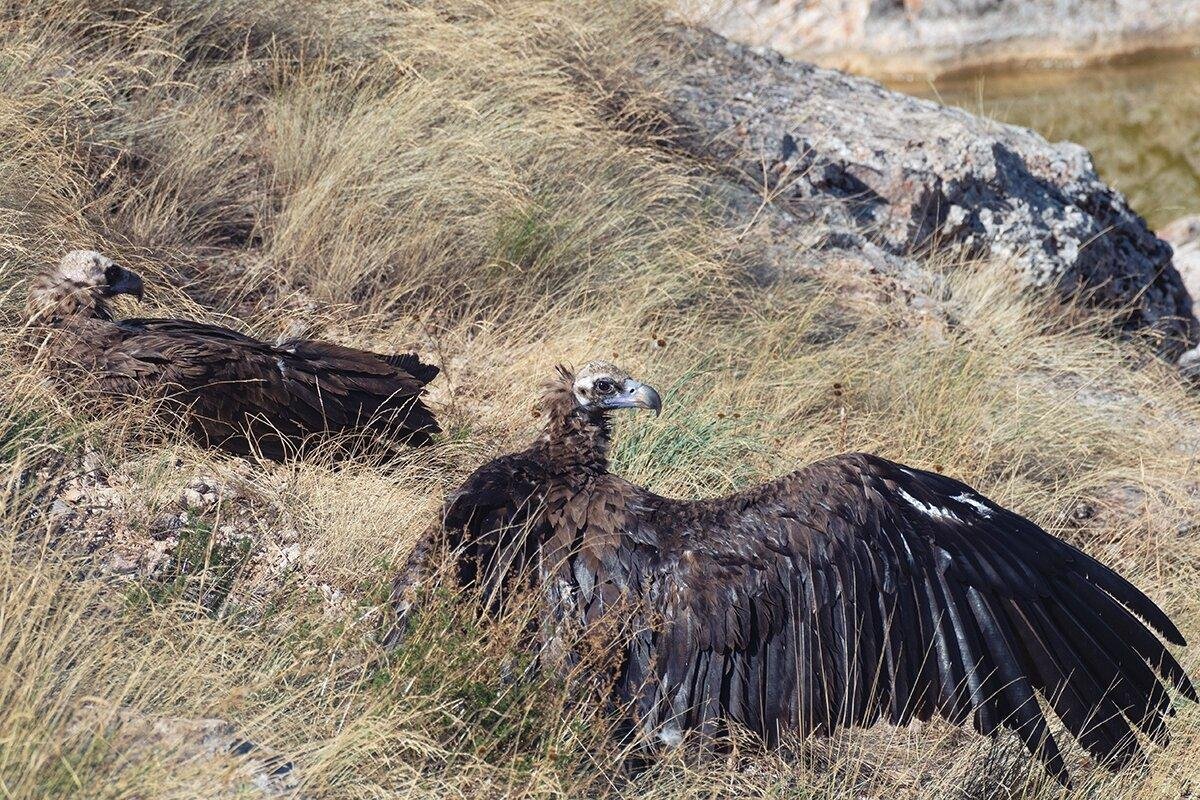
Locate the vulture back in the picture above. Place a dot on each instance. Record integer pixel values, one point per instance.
(246, 396)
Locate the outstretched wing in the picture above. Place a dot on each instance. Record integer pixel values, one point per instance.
(857, 590)
(492, 526)
(234, 385)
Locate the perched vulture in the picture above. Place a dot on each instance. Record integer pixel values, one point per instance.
(235, 392)
(850, 591)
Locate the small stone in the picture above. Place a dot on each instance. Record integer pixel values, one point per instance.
(1189, 363)
(290, 554)
(91, 462)
(1083, 511)
(122, 564)
(73, 497)
(193, 499)
(165, 526)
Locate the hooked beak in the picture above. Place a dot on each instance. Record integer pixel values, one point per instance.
(127, 282)
(636, 395)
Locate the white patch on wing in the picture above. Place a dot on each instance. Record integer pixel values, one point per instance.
(279, 364)
(928, 510)
(565, 589)
(671, 736)
(975, 503)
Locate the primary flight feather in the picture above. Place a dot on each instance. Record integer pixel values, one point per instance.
(851, 591)
(236, 392)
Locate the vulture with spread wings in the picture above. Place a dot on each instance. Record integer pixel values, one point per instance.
(236, 393)
(851, 591)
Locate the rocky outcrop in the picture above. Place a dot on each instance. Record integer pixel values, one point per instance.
(248, 549)
(868, 168)
(208, 758)
(928, 38)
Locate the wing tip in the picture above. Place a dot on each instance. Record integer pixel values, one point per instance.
(1171, 633)
(1187, 688)
(414, 366)
(1052, 761)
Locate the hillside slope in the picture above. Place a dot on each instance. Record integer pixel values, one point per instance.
(501, 188)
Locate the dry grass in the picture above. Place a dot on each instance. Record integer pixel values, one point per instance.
(481, 182)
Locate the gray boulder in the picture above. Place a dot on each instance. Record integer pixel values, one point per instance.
(869, 166)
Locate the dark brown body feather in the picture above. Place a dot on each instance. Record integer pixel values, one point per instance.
(246, 396)
(851, 591)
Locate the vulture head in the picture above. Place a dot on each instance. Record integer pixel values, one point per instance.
(79, 285)
(600, 386)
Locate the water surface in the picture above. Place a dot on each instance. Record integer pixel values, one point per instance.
(1141, 121)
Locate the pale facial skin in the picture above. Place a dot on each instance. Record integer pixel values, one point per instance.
(599, 385)
(80, 283)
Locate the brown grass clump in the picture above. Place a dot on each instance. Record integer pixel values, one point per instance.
(480, 182)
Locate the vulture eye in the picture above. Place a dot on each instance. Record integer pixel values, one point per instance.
(605, 386)
(112, 274)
